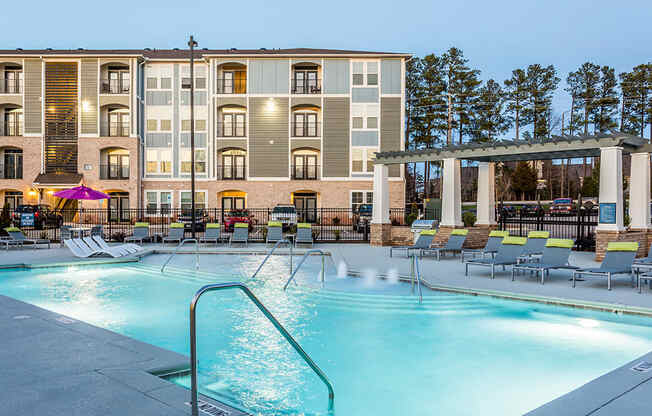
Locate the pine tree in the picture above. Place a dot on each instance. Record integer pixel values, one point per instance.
(583, 86)
(455, 70)
(490, 119)
(467, 96)
(516, 96)
(524, 179)
(605, 106)
(541, 84)
(636, 111)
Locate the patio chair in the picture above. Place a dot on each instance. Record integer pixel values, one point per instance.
(130, 247)
(274, 232)
(304, 234)
(643, 264)
(536, 242)
(423, 241)
(453, 245)
(17, 235)
(507, 255)
(213, 233)
(493, 242)
(240, 234)
(114, 251)
(176, 233)
(618, 260)
(64, 234)
(555, 256)
(141, 233)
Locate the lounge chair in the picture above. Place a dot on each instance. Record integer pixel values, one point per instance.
(643, 264)
(240, 234)
(141, 233)
(176, 233)
(555, 256)
(618, 260)
(536, 242)
(304, 234)
(64, 233)
(80, 249)
(114, 251)
(423, 241)
(274, 232)
(453, 245)
(508, 252)
(17, 235)
(130, 247)
(493, 242)
(213, 234)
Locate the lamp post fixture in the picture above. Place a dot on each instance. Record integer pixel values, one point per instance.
(192, 44)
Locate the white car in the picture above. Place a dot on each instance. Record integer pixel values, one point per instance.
(285, 214)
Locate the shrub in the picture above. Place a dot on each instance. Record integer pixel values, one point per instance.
(336, 220)
(119, 236)
(410, 218)
(5, 218)
(468, 218)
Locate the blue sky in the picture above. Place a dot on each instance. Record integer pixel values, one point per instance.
(496, 36)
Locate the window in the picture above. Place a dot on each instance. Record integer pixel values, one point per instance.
(152, 83)
(361, 197)
(365, 71)
(158, 201)
(166, 125)
(118, 167)
(14, 199)
(199, 125)
(200, 83)
(151, 125)
(118, 81)
(362, 159)
(304, 165)
(364, 116)
(232, 82)
(13, 123)
(185, 83)
(13, 80)
(159, 161)
(166, 83)
(233, 164)
(119, 123)
(186, 201)
(200, 161)
(233, 125)
(13, 164)
(185, 125)
(304, 80)
(305, 124)
(358, 122)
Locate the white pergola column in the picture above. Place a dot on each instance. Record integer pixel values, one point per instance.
(639, 191)
(486, 195)
(380, 212)
(611, 189)
(451, 199)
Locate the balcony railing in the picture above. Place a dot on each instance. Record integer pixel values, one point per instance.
(11, 86)
(306, 86)
(305, 129)
(114, 172)
(305, 172)
(13, 129)
(119, 129)
(231, 129)
(232, 172)
(232, 86)
(115, 86)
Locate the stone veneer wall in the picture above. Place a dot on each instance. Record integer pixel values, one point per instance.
(477, 237)
(380, 234)
(603, 238)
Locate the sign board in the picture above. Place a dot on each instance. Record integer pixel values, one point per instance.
(26, 220)
(608, 213)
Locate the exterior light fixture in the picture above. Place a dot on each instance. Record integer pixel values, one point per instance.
(86, 106)
(271, 105)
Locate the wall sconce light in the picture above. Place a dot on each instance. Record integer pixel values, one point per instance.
(86, 106)
(271, 105)
(32, 192)
(271, 142)
(50, 192)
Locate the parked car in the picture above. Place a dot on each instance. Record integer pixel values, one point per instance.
(38, 216)
(509, 211)
(362, 217)
(234, 216)
(286, 214)
(533, 211)
(201, 218)
(562, 206)
(590, 208)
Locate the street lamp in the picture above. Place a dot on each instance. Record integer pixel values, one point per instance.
(192, 44)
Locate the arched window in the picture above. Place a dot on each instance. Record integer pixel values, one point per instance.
(304, 164)
(305, 123)
(233, 164)
(119, 122)
(13, 122)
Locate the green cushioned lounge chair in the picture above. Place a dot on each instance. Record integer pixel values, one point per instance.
(555, 256)
(453, 245)
(213, 234)
(536, 242)
(19, 238)
(240, 234)
(618, 260)
(493, 242)
(140, 234)
(274, 232)
(304, 234)
(176, 233)
(507, 255)
(423, 242)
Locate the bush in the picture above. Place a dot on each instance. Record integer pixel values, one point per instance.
(411, 218)
(119, 236)
(468, 218)
(336, 220)
(5, 218)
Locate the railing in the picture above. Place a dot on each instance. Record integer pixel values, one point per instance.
(231, 86)
(415, 275)
(278, 243)
(115, 86)
(176, 250)
(305, 172)
(11, 86)
(236, 129)
(13, 128)
(306, 86)
(303, 259)
(114, 172)
(193, 342)
(118, 129)
(231, 172)
(306, 129)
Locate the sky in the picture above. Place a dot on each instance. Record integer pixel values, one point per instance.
(496, 37)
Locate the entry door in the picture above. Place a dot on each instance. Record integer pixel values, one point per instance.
(306, 208)
(119, 207)
(230, 203)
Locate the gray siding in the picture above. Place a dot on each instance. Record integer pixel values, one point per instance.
(364, 95)
(200, 97)
(158, 97)
(390, 73)
(390, 129)
(266, 124)
(269, 76)
(33, 92)
(364, 138)
(89, 95)
(336, 76)
(305, 143)
(200, 139)
(158, 139)
(336, 113)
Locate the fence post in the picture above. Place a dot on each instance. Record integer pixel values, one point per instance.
(520, 223)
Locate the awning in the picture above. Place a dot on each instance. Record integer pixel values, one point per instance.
(57, 180)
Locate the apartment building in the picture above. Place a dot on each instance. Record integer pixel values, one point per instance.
(272, 126)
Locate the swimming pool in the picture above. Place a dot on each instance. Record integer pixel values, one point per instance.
(384, 353)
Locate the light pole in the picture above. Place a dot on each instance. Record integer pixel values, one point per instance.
(192, 44)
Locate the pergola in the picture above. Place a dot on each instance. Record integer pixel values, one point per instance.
(610, 148)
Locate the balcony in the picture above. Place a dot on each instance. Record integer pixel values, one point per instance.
(13, 129)
(114, 86)
(231, 86)
(305, 172)
(306, 86)
(235, 129)
(303, 129)
(114, 172)
(118, 129)
(231, 172)
(11, 86)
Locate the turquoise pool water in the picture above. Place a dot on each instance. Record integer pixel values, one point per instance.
(384, 353)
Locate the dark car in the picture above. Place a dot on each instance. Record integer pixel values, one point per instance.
(38, 216)
(201, 218)
(532, 211)
(362, 217)
(508, 211)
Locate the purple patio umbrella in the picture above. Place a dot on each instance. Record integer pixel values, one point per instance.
(81, 193)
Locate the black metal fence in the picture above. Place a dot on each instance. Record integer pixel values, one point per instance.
(579, 227)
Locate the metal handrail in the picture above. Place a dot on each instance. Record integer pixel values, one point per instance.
(270, 317)
(305, 256)
(278, 243)
(187, 240)
(415, 274)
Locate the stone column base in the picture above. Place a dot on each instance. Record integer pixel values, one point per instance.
(381, 234)
(477, 237)
(603, 238)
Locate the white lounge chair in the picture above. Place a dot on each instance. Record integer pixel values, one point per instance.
(114, 251)
(80, 249)
(130, 247)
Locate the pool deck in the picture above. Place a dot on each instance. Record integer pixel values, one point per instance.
(68, 367)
